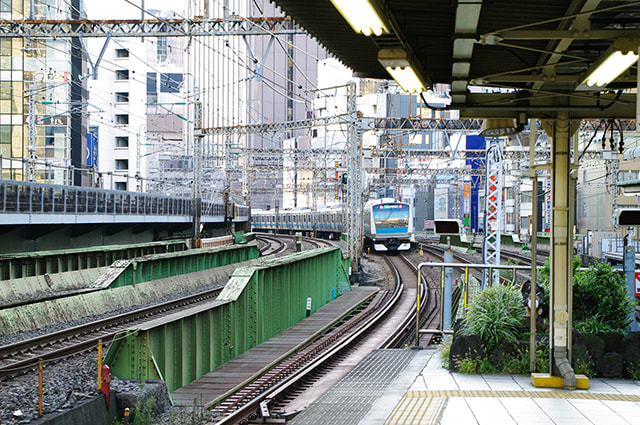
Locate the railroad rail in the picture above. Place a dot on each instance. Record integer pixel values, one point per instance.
(429, 306)
(24, 355)
(390, 309)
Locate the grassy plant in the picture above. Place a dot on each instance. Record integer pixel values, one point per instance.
(495, 315)
(508, 273)
(542, 358)
(445, 349)
(486, 367)
(468, 366)
(633, 371)
(584, 367)
(194, 415)
(143, 416)
(594, 325)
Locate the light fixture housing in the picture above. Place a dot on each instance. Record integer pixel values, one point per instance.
(619, 57)
(362, 16)
(397, 64)
(499, 127)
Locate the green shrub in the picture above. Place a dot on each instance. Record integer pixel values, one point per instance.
(495, 315)
(600, 297)
(600, 300)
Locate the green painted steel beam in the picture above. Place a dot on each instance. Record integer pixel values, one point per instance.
(17, 265)
(36, 315)
(257, 303)
(160, 266)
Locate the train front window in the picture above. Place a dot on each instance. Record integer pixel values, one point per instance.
(391, 218)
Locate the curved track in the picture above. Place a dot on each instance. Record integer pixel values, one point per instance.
(382, 324)
(21, 356)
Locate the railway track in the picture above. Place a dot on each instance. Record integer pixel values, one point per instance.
(281, 391)
(24, 355)
(270, 244)
(429, 306)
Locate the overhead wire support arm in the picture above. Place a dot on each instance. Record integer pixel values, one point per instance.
(94, 67)
(146, 27)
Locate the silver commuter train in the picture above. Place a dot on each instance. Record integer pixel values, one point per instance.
(325, 223)
(388, 225)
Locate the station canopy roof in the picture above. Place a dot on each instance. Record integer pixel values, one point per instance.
(531, 57)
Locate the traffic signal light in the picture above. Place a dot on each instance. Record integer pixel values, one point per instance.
(344, 178)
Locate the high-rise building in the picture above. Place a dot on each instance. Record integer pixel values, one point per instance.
(42, 100)
(140, 113)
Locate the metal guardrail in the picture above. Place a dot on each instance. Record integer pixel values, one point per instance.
(465, 294)
(41, 198)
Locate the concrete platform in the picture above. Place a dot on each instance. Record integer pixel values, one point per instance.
(255, 361)
(390, 388)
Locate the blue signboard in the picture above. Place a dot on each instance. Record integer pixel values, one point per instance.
(476, 160)
(92, 149)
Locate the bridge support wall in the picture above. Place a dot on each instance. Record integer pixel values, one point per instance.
(257, 303)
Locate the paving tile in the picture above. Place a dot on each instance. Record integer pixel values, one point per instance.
(560, 411)
(525, 411)
(456, 412)
(502, 383)
(470, 382)
(598, 412)
(629, 411)
(489, 411)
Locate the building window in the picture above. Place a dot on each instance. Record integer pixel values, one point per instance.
(122, 119)
(152, 87)
(584, 209)
(162, 49)
(122, 53)
(5, 140)
(122, 97)
(122, 164)
(170, 83)
(122, 141)
(122, 74)
(121, 186)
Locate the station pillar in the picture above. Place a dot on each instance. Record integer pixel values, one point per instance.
(561, 284)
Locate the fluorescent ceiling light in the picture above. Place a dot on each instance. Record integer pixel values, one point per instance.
(361, 15)
(397, 64)
(407, 79)
(611, 69)
(615, 60)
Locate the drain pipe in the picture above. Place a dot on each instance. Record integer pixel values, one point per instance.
(561, 248)
(564, 367)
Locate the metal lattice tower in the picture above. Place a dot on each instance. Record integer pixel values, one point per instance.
(611, 182)
(32, 133)
(197, 165)
(493, 208)
(354, 184)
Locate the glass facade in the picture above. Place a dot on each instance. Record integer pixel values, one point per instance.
(35, 84)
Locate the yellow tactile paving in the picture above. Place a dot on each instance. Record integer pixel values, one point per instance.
(417, 410)
(523, 394)
(425, 407)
